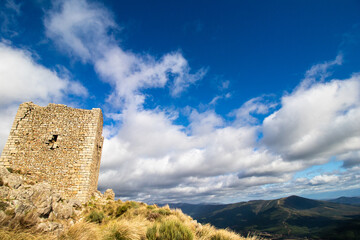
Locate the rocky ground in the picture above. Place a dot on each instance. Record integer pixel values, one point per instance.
(37, 205)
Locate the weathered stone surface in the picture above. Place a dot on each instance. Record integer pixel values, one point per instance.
(36, 206)
(49, 226)
(75, 203)
(42, 198)
(57, 144)
(12, 180)
(22, 207)
(109, 194)
(4, 172)
(22, 193)
(63, 210)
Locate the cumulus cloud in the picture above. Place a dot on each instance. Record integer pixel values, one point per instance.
(165, 159)
(212, 157)
(316, 123)
(23, 79)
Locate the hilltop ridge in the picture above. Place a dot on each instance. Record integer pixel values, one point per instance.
(289, 217)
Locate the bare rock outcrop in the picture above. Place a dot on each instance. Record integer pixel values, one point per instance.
(109, 194)
(38, 205)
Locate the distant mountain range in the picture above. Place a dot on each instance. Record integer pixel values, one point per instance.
(286, 218)
(347, 200)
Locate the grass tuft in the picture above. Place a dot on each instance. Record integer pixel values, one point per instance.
(124, 230)
(120, 210)
(95, 216)
(81, 231)
(169, 230)
(11, 234)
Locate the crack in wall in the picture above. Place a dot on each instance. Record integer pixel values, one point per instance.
(27, 113)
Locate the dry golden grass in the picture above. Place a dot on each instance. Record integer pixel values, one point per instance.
(124, 229)
(81, 231)
(11, 234)
(22, 222)
(124, 221)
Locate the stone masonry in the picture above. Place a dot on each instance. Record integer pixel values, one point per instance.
(57, 144)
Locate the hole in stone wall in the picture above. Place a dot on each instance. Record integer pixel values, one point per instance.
(52, 142)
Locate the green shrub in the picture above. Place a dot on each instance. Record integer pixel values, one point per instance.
(151, 207)
(151, 233)
(164, 211)
(120, 210)
(117, 236)
(10, 170)
(109, 210)
(95, 216)
(134, 204)
(174, 230)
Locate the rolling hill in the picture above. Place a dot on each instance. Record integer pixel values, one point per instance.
(292, 217)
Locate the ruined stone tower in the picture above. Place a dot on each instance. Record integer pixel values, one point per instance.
(58, 144)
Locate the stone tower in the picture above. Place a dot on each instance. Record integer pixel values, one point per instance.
(58, 144)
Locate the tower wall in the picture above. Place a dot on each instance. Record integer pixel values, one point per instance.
(58, 144)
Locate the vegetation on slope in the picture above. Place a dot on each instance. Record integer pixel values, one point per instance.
(122, 221)
(35, 211)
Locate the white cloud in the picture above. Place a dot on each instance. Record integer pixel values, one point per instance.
(217, 98)
(319, 72)
(205, 123)
(316, 122)
(152, 157)
(258, 105)
(80, 28)
(130, 73)
(324, 179)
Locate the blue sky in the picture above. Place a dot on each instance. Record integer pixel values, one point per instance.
(203, 101)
